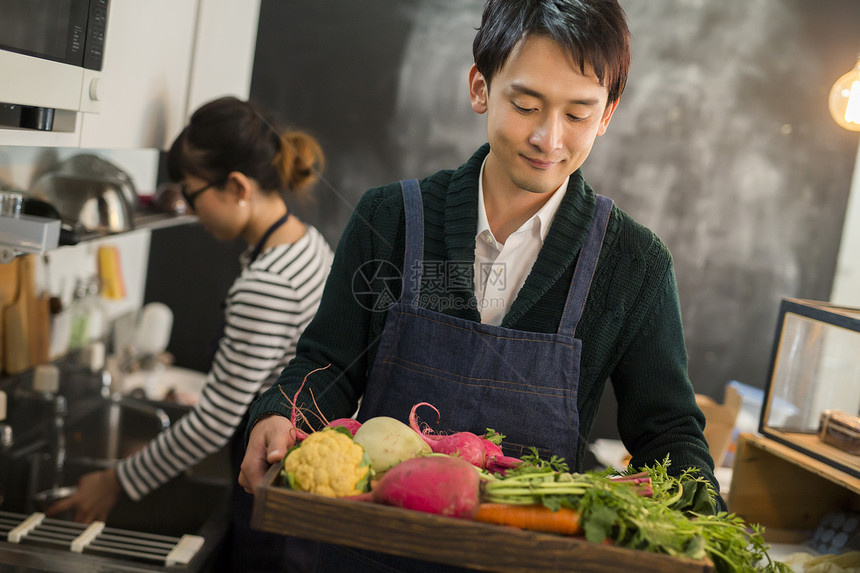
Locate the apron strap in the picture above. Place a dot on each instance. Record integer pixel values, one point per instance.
(413, 255)
(585, 266)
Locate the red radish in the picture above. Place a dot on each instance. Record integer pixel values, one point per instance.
(495, 460)
(434, 484)
(348, 423)
(479, 452)
(642, 480)
(500, 464)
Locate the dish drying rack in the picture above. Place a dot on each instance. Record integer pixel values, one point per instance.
(96, 539)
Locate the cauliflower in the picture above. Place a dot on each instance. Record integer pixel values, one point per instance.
(328, 463)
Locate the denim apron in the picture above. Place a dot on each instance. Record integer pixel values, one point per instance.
(522, 384)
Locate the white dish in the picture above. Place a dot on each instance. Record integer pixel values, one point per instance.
(185, 383)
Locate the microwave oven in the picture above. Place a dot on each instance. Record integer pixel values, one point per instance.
(51, 54)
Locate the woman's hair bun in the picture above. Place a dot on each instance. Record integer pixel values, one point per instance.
(301, 160)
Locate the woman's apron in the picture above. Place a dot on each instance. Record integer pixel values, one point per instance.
(522, 384)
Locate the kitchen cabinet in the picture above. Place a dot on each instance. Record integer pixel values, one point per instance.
(785, 490)
(163, 58)
(224, 50)
(144, 82)
(68, 137)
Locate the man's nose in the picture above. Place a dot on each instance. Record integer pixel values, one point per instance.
(547, 135)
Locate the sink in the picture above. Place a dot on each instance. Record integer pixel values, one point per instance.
(114, 428)
(97, 433)
(182, 505)
(100, 433)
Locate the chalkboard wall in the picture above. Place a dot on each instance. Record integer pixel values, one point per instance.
(722, 143)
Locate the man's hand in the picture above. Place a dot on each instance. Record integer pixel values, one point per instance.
(97, 494)
(270, 439)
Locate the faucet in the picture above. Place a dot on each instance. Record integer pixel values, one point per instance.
(46, 382)
(93, 358)
(5, 447)
(58, 440)
(5, 429)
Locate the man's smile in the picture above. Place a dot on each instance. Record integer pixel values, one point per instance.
(539, 163)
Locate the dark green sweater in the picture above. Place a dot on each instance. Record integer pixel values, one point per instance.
(631, 327)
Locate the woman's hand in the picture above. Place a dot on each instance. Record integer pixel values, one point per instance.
(270, 439)
(96, 496)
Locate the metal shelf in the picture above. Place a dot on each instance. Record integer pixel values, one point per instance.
(146, 220)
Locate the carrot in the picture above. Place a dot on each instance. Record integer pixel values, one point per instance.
(534, 517)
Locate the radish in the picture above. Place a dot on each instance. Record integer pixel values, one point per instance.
(434, 484)
(480, 452)
(348, 423)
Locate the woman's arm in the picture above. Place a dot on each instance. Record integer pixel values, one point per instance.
(265, 314)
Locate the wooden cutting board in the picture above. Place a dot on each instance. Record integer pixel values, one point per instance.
(8, 294)
(16, 328)
(39, 323)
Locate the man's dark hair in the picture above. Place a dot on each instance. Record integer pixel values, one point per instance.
(593, 32)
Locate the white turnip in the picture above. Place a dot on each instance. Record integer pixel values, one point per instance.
(388, 442)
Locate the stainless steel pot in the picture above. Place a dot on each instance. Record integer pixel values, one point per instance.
(91, 194)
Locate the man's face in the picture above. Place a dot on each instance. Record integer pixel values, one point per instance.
(543, 116)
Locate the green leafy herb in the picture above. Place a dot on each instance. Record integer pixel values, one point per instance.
(649, 511)
(533, 463)
(494, 437)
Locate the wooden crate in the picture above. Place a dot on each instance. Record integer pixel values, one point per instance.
(459, 542)
(785, 490)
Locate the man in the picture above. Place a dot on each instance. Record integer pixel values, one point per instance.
(563, 290)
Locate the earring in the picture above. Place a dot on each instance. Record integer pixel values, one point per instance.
(241, 202)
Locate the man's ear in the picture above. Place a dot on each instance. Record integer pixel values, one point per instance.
(479, 91)
(607, 116)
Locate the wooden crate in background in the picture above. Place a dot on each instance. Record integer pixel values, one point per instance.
(785, 490)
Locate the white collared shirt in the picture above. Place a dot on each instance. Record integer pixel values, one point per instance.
(502, 268)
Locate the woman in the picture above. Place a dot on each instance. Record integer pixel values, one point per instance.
(232, 166)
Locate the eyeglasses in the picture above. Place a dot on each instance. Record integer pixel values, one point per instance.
(191, 197)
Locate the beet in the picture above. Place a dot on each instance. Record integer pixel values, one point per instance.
(434, 484)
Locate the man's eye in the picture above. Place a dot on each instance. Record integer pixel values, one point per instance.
(574, 118)
(523, 109)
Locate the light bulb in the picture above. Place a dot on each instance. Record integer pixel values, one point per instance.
(845, 99)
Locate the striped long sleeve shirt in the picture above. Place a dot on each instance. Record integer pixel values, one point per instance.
(267, 308)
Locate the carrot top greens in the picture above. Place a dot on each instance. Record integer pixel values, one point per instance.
(649, 510)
